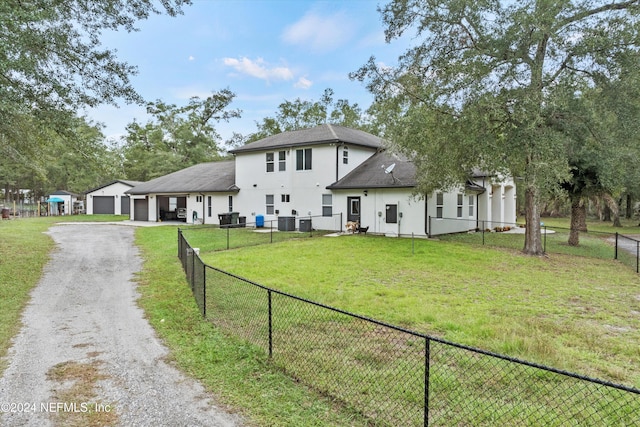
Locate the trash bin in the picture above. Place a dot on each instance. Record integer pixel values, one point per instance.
(224, 219)
(286, 223)
(242, 221)
(305, 225)
(234, 217)
(259, 221)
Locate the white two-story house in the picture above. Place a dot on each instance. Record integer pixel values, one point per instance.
(328, 175)
(288, 174)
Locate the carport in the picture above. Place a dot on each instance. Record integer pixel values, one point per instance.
(168, 206)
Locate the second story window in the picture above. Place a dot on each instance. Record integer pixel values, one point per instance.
(282, 161)
(303, 159)
(345, 155)
(270, 162)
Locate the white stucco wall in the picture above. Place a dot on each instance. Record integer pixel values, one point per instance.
(302, 188)
(115, 190)
(209, 206)
(411, 214)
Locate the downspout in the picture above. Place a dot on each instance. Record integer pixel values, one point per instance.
(337, 164)
(426, 215)
(478, 205)
(478, 209)
(204, 198)
(399, 218)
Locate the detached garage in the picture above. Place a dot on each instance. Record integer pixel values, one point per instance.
(110, 198)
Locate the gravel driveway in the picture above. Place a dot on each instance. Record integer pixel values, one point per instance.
(84, 338)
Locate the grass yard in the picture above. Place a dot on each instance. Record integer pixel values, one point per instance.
(569, 312)
(557, 310)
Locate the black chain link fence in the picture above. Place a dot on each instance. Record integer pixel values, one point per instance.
(215, 238)
(397, 377)
(628, 251)
(594, 244)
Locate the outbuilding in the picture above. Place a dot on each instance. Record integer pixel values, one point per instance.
(110, 198)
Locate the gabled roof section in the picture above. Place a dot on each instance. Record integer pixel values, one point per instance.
(212, 177)
(122, 181)
(382, 170)
(323, 134)
(386, 170)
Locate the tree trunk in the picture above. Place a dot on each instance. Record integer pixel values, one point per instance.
(629, 213)
(616, 214)
(532, 236)
(578, 221)
(606, 213)
(613, 208)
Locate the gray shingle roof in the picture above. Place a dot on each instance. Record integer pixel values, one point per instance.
(322, 134)
(372, 173)
(210, 177)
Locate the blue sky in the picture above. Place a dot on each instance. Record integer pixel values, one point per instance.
(265, 51)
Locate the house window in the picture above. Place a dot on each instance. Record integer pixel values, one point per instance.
(285, 198)
(460, 204)
(282, 161)
(345, 155)
(230, 203)
(209, 206)
(270, 162)
(327, 205)
(439, 205)
(303, 159)
(472, 201)
(392, 214)
(198, 199)
(269, 201)
(173, 203)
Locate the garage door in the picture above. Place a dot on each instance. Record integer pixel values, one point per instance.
(140, 210)
(124, 205)
(103, 205)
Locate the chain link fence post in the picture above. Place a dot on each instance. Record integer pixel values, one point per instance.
(427, 357)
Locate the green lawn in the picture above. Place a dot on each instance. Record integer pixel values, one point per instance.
(572, 312)
(569, 312)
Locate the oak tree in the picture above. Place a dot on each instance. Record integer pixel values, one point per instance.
(487, 83)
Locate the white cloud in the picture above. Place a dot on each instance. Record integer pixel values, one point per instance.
(192, 58)
(318, 32)
(258, 69)
(303, 83)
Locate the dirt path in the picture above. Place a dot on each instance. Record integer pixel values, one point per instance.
(85, 350)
